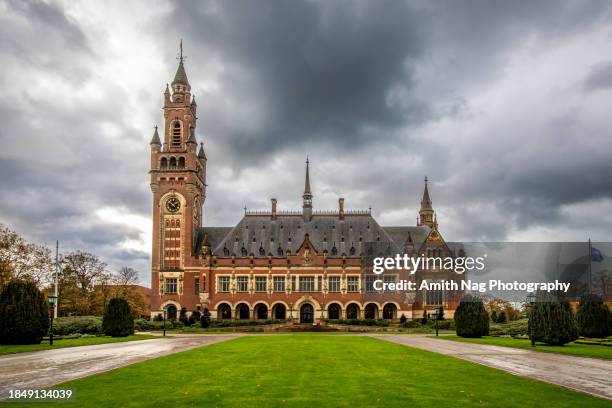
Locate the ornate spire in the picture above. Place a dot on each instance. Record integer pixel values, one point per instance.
(155, 139)
(181, 76)
(201, 154)
(307, 196)
(426, 213)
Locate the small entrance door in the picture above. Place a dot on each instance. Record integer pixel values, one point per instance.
(306, 313)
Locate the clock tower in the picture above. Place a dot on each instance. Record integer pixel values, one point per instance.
(178, 184)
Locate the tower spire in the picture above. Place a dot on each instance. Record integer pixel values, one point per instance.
(426, 212)
(307, 196)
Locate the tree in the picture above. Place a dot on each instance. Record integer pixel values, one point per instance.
(117, 320)
(471, 318)
(205, 319)
(81, 272)
(195, 317)
(551, 320)
(183, 317)
(602, 283)
(20, 259)
(24, 315)
(403, 319)
(126, 277)
(593, 317)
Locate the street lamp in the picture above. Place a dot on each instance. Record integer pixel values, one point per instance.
(164, 322)
(52, 305)
(437, 312)
(531, 302)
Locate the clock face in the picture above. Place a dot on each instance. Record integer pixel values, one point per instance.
(173, 204)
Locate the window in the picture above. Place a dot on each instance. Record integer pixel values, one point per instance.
(334, 283)
(224, 283)
(306, 283)
(389, 278)
(176, 134)
(260, 283)
(242, 283)
(203, 283)
(434, 297)
(279, 283)
(319, 282)
(370, 283)
(293, 283)
(196, 286)
(172, 242)
(170, 285)
(352, 283)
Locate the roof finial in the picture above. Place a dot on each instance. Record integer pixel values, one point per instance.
(181, 58)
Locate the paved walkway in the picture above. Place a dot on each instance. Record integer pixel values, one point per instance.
(46, 368)
(584, 374)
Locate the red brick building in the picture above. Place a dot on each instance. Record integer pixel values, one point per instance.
(303, 265)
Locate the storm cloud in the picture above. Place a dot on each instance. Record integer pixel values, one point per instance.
(504, 105)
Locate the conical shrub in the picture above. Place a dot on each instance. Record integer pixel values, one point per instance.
(471, 318)
(592, 317)
(551, 320)
(24, 314)
(117, 320)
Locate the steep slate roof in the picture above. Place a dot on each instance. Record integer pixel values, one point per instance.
(356, 235)
(181, 75)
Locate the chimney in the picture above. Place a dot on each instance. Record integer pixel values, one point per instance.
(341, 208)
(273, 208)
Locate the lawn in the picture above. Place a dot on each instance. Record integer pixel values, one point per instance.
(305, 371)
(85, 341)
(583, 350)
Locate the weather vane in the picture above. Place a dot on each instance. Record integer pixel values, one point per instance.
(180, 57)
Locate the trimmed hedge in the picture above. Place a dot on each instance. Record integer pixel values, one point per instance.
(24, 313)
(471, 318)
(148, 325)
(514, 328)
(63, 326)
(117, 320)
(360, 322)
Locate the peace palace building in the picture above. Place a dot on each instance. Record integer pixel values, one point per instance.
(305, 266)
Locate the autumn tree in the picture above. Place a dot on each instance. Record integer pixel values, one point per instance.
(20, 259)
(81, 272)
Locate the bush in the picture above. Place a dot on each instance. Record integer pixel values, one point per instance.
(471, 318)
(24, 314)
(183, 317)
(551, 320)
(158, 318)
(205, 319)
(514, 328)
(117, 320)
(440, 314)
(592, 317)
(63, 326)
(411, 324)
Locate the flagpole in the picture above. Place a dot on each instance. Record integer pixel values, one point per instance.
(55, 306)
(590, 266)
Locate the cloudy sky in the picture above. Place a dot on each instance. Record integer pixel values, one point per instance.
(505, 106)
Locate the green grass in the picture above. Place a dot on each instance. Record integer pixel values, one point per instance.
(583, 350)
(86, 341)
(313, 371)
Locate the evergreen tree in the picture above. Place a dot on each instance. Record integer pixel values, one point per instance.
(551, 320)
(471, 318)
(118, 320)
(183, 316)
(592, 317)
(195, 317)
(205, 319)
(403, 319)
(24, 314)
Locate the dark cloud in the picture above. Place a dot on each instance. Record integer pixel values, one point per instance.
(378, 93)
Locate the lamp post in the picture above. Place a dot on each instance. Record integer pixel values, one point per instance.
(52, 305)
(164, 322)
(531, 302)
(436, 314)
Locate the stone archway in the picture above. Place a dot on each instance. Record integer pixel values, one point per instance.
(352, 311)
(371, 311)
(171, 311)
(279, 311)
(242, 311)
(261, 311)
(306, 313)
(333, 311)
(224, 311)
(389, 311)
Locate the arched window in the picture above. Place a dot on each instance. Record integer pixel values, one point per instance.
(163, 163)
(176, 134)
(181, 163)
(279, 251)
(173, 162)
(334, 250)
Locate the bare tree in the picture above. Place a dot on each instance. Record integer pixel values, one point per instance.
(602, 283)
(126, 276)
